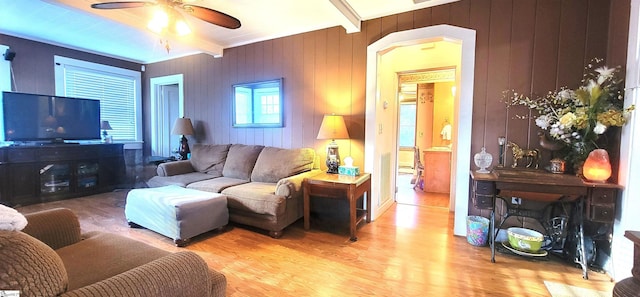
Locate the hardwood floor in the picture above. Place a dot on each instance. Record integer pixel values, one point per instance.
(409, 251)
(407, 195)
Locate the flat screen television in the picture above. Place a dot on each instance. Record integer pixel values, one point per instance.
(32, 117)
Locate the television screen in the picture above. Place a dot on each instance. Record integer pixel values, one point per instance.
(31, 117)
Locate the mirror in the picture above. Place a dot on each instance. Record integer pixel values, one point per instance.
(258, 104)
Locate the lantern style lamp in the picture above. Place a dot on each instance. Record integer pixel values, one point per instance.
(183, 126)
(597, 167)
(104, 125)
(501, 142)
(333, 128)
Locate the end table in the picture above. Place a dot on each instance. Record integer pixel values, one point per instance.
(338, 186)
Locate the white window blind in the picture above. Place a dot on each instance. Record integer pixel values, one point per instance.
(117, 89)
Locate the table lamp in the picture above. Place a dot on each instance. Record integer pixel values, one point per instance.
(597, 167)
(183, 126)
(104, 125)
(333, 128)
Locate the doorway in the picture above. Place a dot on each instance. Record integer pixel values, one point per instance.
(167, 104)
(381, 118)
(426, 119)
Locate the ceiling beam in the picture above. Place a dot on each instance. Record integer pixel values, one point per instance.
(351, 21)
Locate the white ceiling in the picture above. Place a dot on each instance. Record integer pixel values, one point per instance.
(122, 33)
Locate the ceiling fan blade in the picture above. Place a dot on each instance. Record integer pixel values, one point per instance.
(212, 16)
(121, 4)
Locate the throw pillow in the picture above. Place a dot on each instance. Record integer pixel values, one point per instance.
(11, 219)
(209, 158)
(274, 163)
(240, 161)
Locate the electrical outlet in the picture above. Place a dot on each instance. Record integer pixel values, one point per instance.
(516, 200)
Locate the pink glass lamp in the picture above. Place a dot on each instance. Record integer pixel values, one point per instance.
(597, 167)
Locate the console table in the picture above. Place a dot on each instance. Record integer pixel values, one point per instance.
(42, 173)
(340, 186)
(595, 201)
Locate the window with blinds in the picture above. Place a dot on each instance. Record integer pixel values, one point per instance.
(117, 89)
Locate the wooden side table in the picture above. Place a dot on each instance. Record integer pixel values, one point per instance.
(630, 287)
(338, 186)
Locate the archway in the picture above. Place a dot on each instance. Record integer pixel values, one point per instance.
(379, 153)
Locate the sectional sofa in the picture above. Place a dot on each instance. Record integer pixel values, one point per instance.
(263, 185)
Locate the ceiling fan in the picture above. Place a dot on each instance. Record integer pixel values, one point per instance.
(206, 14)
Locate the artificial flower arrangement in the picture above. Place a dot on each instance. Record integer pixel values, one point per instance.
(577, 118)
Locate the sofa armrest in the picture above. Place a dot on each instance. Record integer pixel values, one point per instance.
(292, 186)
(179, 274)
(56, 227)
(175, 168)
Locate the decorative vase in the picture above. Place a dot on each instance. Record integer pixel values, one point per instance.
(483, 160)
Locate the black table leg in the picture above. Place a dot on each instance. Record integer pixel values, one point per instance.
(492, 223)
(581, 253)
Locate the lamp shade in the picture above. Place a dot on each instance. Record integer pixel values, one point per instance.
(182, 126)
(597, 167)
(333, 127)
(104, 125)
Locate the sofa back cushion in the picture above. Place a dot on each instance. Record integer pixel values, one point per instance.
(209, 158)
(30, 266)
(274, 163)
(240, 161)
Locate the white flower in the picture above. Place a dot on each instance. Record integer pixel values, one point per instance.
(565, 95)
(543, 121)
(599, 128)
(603, 73)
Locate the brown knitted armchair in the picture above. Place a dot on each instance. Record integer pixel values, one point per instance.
(51, 258)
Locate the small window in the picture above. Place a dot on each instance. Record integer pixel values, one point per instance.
(407, 129)
(258, 104)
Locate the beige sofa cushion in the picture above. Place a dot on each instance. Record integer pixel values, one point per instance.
(209, 158)
(216, 185)
(114, 254)
(274, 163)
(240, 161)
(255, 197)
(179, 180)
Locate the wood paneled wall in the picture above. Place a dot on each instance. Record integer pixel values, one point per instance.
(529, 45)
(33, 69)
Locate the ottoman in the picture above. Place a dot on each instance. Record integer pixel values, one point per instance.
(176, 212)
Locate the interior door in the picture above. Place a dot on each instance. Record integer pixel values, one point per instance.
(170, 95)
(167, 104)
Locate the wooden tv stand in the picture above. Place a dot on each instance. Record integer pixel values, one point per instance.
(34, 174)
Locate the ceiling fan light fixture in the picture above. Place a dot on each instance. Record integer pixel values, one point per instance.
(159, 22)
(182, 28)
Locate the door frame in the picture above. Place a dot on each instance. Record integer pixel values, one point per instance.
(461, 151)
(158, 104)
